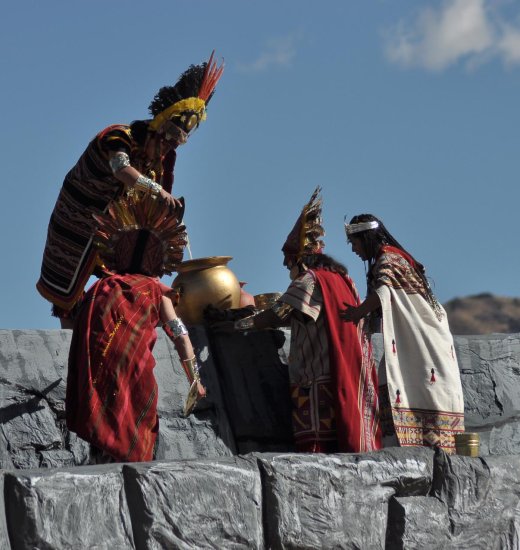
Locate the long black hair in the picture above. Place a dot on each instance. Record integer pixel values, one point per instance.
(373, 239)
(323, 261)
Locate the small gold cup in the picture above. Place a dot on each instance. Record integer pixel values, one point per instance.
(467, 444)
(266, 300)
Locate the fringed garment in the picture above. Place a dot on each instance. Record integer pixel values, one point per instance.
(111, 399)
(421, 392)
(333, 377)
(69, 257)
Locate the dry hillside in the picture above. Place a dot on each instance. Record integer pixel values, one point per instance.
(483, 314)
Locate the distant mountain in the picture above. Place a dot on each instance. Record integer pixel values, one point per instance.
(483, 314)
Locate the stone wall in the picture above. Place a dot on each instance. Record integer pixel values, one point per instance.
(395, 498)
(226, 477)
(33, 372)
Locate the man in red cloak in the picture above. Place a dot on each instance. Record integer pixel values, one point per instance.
(332, 374)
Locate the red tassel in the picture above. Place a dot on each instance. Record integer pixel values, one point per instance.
(397, 397)
(432, 379)
(393, 346)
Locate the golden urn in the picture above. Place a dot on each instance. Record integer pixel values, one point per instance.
(204, 281)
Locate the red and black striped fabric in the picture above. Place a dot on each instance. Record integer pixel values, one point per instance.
(111, 399)
(69, 257)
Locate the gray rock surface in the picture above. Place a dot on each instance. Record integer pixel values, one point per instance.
(207, 432)
(247, 408)
(482, 496)
(338, 501)
(417, 522)
(490, 373)
(5, 542)
(196, 504)
(32, 394)
(395, 498)
(84, 507)
(33, 372)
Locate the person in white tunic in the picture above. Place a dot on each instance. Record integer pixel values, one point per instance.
(421, 400)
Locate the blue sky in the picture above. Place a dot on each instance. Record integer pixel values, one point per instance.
(403, 108)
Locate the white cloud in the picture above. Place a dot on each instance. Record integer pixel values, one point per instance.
(467, 31)
(278, 52)
(509, 45)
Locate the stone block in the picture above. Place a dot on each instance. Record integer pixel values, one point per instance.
(32, 393)
(207, 432)
(196, 504)
(195, 437)
(483, 500)
(338, 501)
(490, 374)
(83, 507)
(5, 543)
(490, 371)
(417, 522)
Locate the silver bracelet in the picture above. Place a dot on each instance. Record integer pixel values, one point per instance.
(178, 327)
(245, 324)
(119, 161)
(146, 183)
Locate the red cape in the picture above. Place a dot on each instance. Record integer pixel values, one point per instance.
(111, 399)
(353, 372)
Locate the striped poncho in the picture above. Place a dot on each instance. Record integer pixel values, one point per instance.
(69, 257)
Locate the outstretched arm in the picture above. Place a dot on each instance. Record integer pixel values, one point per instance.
(355, 314)
(274, 317)
(264, 319)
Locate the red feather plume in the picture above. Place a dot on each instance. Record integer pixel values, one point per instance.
(211, 77)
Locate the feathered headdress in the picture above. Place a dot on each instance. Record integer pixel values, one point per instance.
(305, 237)
(185, 103)
(141, 233)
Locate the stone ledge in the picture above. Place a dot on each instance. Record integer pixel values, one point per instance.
(395, 498)
(275, 500)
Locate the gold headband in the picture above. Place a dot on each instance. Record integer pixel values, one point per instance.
(194, 104)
